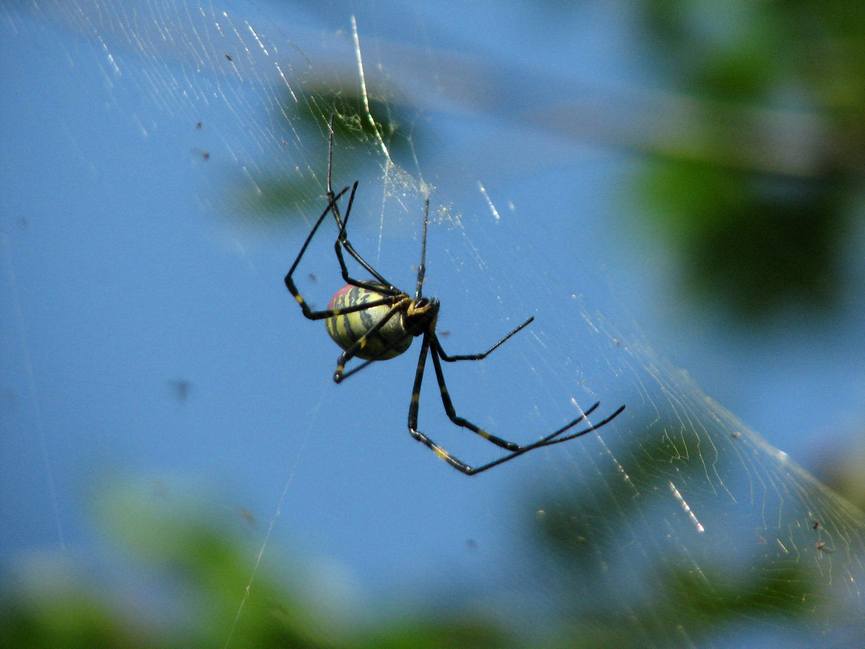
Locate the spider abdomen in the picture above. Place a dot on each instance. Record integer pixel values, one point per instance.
(346, 329)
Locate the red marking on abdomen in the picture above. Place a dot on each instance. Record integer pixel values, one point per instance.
(338, 295)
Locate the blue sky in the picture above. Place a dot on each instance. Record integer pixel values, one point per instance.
(131, 263)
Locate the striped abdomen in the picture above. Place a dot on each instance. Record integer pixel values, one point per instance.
(389, 341)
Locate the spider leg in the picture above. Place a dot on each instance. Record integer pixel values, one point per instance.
(479, 357)
(544, 441)
(606, 420)
(366, 364)
(398, 304)
(290, 285)
(451, 411)
(413, 409)
(342, 239)
(421, 267)
(549, 440)
(357, 369)
(330, 313)
(455, 462)
(289, 282)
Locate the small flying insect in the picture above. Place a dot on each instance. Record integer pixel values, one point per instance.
(373, 320)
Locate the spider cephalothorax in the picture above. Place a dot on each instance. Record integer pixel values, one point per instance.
(375, 321)
(421, 315)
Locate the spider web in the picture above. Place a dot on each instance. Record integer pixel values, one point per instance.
(163, 162)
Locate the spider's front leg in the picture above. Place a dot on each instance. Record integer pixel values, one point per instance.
(442, 453)
(435, 351)
(413, 409)
(430, 346)
(479, 357)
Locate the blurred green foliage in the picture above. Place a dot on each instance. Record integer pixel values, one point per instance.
(203, 579)
(758, 239)
(761, 244)
(842, 470)
(204, 572)
(609, 598)
(358, 136)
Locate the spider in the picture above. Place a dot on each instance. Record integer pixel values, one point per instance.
(374, 320)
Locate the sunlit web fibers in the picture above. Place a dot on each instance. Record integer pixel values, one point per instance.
(255, 99)
(683, 516)
(677, 521)
(685, 524)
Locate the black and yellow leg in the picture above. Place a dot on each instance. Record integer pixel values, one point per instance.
(343, 242)
(594, 426)
(342, 238)
(516, 451)
(366, 364)
(413, 413)
(355, 370)
(479, 357)
(329, 313)
(451, 411)
(290, 285)
(421, 267)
